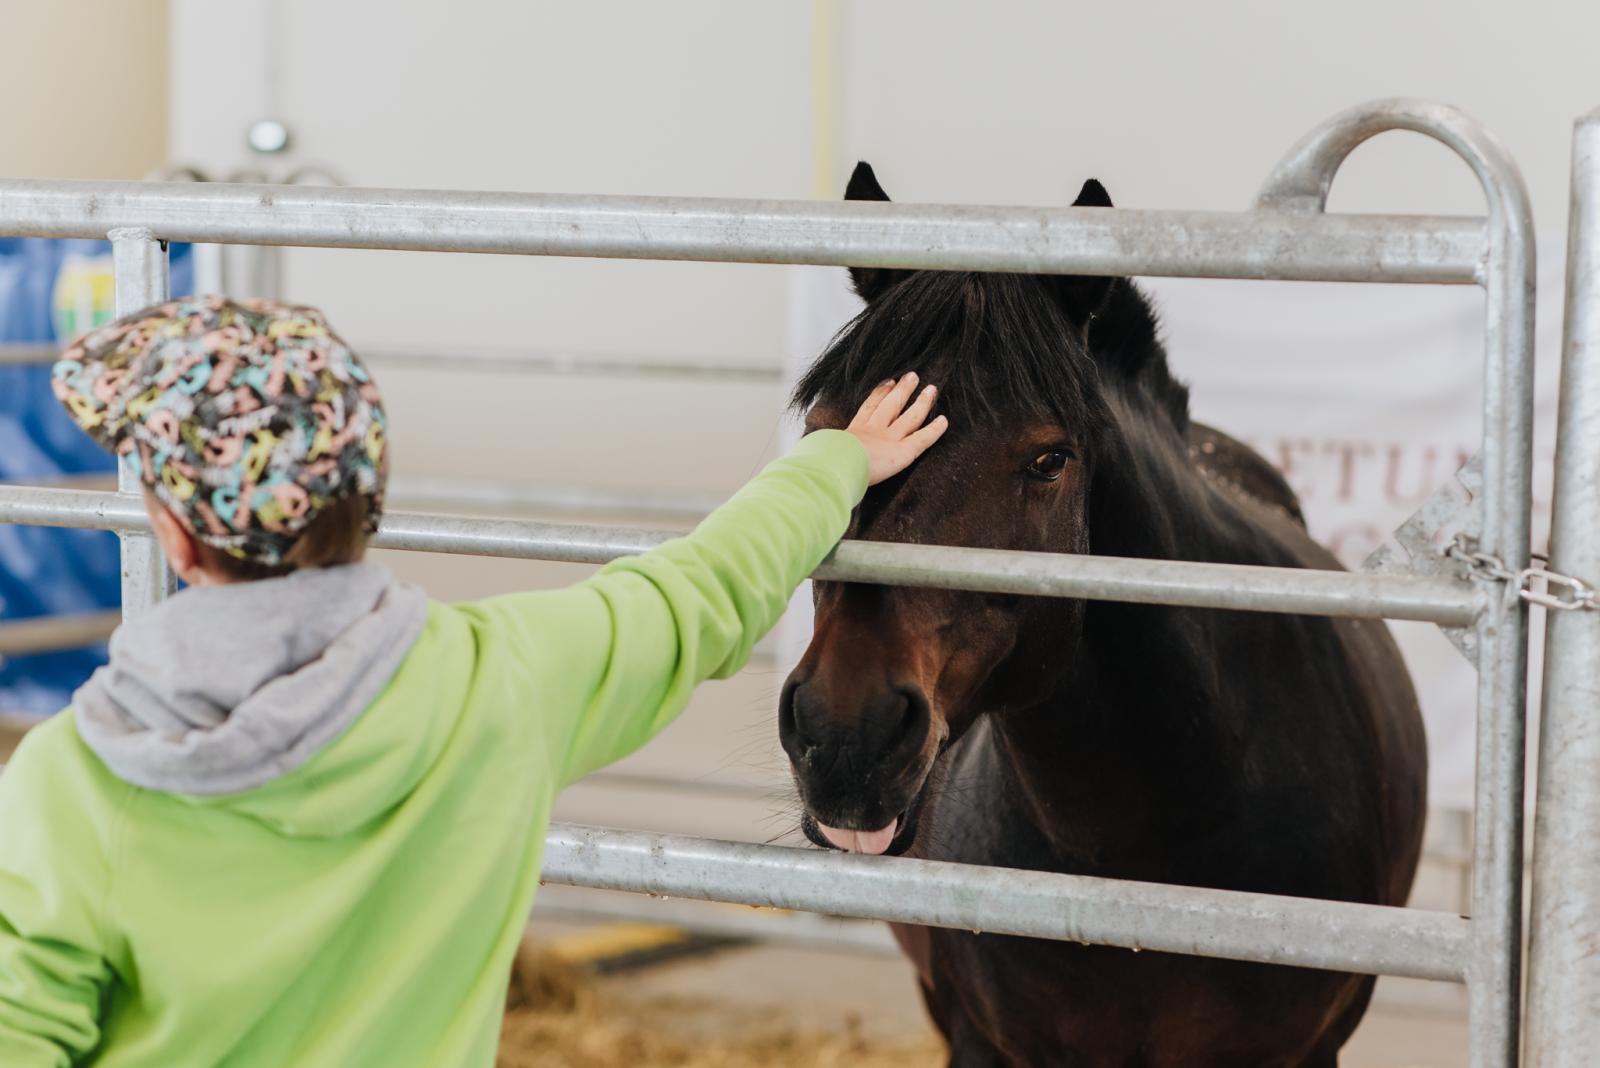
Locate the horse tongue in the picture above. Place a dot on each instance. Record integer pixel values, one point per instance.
(873, 843)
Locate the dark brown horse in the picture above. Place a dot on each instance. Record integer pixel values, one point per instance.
(1244, 751)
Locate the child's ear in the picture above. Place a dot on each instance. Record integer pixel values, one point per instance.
(180, 546)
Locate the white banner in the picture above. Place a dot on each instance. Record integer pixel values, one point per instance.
(1366, 397)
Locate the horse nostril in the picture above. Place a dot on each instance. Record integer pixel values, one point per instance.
(792, 721)
(914, 718)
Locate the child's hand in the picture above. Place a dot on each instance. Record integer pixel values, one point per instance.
(894, 434)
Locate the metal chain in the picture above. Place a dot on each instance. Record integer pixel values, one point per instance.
(1536, 584)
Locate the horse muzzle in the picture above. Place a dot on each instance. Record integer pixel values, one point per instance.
(860, 765)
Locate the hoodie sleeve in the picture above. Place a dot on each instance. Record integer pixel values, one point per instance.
(614, 659)
(53, 882)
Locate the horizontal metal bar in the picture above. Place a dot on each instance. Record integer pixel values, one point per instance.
(1246, 588)
(1174, 582)
(717, 918)
(432, 493)
(1256, 244)
(83, 509)
(47, 634)
(553, 362)
(27, 354)
(840, 934)
(597, 364)
(1333, 935)
(1099, 578)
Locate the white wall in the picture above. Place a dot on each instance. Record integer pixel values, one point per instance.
(1171, 103)
(609, 97)
(1179, 104)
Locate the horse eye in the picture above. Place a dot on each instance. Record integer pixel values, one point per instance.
(1047, 466)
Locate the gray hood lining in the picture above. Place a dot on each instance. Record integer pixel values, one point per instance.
(222, 689)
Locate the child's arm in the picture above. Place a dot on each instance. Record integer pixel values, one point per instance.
(612, 660)
(53, 967)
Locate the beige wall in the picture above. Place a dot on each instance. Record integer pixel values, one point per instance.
(85, 88)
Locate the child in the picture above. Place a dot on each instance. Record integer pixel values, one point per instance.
(297, 819)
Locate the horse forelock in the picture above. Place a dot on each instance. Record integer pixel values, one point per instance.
(998, 346)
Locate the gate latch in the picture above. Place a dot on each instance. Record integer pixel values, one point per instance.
(1536, 584)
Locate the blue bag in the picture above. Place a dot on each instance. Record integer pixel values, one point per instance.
(50, 291)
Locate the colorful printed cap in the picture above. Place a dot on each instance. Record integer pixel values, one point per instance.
(246, 418)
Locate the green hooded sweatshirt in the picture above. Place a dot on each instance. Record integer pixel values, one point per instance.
(299, 822)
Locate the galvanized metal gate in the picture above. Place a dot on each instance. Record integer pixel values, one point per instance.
(1286, 236)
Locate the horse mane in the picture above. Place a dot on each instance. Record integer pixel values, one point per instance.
(1004, 345)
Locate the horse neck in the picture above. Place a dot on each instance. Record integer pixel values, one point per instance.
(1128, 751)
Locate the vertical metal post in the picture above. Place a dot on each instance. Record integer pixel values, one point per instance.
(1563, 962)
(1495, 974)
(1300, 183)
(140, 262)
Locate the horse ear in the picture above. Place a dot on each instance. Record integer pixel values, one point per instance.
(1125, 332)
(1084, 295)
(870, 282)
(1093, 195)
(864, 184)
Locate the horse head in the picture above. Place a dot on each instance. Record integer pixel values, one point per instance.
(1034, 372)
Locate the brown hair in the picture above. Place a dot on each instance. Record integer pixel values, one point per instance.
(338, 535)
